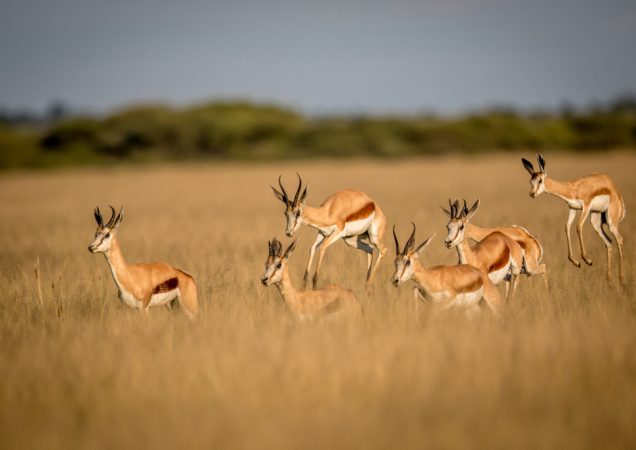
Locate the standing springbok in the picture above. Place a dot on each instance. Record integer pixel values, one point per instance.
(349, 215)
(146, 284)
(594, 195)
(461, 286)
(329, 302)
(531, 248)
(497, 255)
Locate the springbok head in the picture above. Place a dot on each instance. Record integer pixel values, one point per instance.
(537, 179)
(276, 261)
(406, 258)
(459, 217)
(105, 231)
(293, 208)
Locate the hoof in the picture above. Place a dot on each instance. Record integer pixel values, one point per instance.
(588, 261)
(576, 263)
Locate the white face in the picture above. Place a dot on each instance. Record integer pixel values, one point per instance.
(273, 270)
(456, 229)
(404, 265)
(294, 215)
(537, 184)
(103, 239)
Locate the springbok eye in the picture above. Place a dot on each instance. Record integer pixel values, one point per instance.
(107, 235)
(297, 213)
(462, 227)
(408, 262)
(279, 265)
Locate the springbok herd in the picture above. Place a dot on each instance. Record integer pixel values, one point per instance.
(500, 254)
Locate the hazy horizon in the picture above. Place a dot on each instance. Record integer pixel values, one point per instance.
(330, 57)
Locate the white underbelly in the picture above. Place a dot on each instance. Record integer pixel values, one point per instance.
(575, 203)
(600, 203)
(468, 299)
(358, 227)
(497, 276)
(164, 297)
(129, 299)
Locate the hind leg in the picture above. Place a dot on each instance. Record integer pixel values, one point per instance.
(597, 223)
(491, 296)
(619, 241)
(188, 297)
(376, 236)
(357, 242)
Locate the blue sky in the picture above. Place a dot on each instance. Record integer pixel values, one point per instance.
(324, 56)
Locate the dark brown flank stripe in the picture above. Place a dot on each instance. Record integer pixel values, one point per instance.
(601, 191)
(471, 287)
(332, 307)
(504, 257)
(522, 244)
(362, 213)
(166, 286)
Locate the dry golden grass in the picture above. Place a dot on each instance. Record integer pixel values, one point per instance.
(81, 370)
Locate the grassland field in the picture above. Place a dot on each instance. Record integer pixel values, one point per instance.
(78, 369)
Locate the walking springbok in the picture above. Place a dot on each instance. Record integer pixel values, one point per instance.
(461, 286)
(497, 255)
(329, 302)
(146, 284)
(531, 249)
(349, 215)
(594, 195)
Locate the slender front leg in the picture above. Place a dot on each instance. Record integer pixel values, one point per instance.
(317, 243)
(567, 233)
(579, 230)
(333, 237)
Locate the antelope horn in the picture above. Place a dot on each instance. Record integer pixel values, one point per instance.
(397, 244)
(112, 216)
(282, 188)
(411, 241)
(300, 185)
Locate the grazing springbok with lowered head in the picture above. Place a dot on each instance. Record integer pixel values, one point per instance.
(146, 284)
(531, 248)
(594, 195)
(462, 286)
(327, 303)
(496, 255)
(349, 215)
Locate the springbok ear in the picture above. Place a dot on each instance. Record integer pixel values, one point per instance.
(276, 247)
(445, 210)
(119, 218)
(423, 245)
(528, 166)
(471, 212)
(279, 195)
(98, 217)
(303, 196)
(541, 162)
(290, 249)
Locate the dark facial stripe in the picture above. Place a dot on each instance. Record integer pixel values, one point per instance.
(168, 285)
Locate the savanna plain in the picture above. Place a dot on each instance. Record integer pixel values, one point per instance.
(78, 369)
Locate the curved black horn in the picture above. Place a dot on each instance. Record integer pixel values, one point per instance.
(112, 216)
(464, 209)
(300, 185)
(397, 244)
(409, 244)
(282, 188)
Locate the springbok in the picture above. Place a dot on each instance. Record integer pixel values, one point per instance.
(497, 255)
(329, 302)
(531, 248)
(146, 284)
(461, 286)
(594, 195)
(349, 215)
